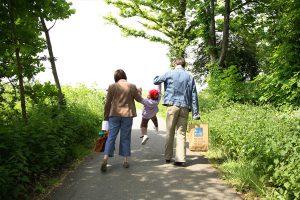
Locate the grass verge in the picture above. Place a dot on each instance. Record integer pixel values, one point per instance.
(49, 182)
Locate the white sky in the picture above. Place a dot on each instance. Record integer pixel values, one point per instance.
(88, 51)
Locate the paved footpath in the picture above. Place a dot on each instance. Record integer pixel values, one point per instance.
(148, 177)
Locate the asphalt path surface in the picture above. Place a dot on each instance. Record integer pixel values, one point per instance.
(148, 176)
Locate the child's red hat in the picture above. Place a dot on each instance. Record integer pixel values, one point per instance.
(153, 94)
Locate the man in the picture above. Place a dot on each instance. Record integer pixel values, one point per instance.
(180, 96)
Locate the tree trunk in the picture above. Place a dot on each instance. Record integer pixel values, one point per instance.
(225, 39)
(212, 33)
(182, 27)
(179, 42)
(52, 62)
(21, 85)
(18, 63)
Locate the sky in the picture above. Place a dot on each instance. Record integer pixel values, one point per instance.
(89, 51)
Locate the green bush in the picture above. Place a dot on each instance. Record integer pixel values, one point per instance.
(14, 167)
(278, 88)
(227, 84)
(53, 136)
(263, 137)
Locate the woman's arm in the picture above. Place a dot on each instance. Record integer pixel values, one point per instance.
(108, 101)
(137, 94)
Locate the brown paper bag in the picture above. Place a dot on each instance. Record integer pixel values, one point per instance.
(198, 137)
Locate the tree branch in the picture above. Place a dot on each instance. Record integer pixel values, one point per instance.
(132, 32)
(147, 17)
(52, 26)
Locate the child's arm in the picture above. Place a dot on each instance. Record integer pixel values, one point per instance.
(159, 92)
(159, 88)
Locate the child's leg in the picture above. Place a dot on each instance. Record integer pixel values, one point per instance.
(155, 122)
(144, 125)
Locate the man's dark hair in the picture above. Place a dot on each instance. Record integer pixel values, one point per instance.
(180, 61)
(119, 74)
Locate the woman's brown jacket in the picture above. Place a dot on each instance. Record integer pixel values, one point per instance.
(120, 100)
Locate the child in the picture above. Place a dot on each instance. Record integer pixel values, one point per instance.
(149, 112)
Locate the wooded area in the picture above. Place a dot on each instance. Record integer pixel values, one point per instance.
(247, 51)
(255, 44)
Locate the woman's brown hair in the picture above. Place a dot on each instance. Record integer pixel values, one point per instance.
(119, 74)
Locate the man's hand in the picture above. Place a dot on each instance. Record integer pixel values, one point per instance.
(196, 117)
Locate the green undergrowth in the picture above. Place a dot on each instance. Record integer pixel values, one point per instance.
(50, 181)
(257, 148)
(53, 137)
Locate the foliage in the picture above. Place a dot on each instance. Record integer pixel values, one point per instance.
(52, 137)
(21, 41)
(279, 50)
(275, 89)
(174, 23)
(261, 137)
(227, 84)
(263, 39)
(243, 175)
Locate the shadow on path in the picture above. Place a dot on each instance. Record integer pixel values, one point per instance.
(148, 177)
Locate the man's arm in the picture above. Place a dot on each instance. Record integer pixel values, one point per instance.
(160, 79)
(195, 106)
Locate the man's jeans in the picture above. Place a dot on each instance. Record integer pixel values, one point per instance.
(177, 119)
(124, 125)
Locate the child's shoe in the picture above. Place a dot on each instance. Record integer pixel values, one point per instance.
(156, 129)
(104, 166)
(145, 139)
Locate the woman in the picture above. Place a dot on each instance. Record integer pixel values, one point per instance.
(119, 110)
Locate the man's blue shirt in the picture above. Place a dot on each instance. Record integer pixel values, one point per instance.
(179, 89)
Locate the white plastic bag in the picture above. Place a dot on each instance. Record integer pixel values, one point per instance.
(105, 125)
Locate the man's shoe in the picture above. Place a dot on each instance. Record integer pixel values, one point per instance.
(180, 164)
(168, 161)
(145, 139)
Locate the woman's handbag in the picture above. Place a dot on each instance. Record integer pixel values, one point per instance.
(100, 141)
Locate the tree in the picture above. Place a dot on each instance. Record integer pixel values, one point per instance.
(183, 25)
(52, 61)
(280, 53)
(53, 10)
(225, 37)
(231, 40)
(22, 46)
(174, 23)
(21, 41)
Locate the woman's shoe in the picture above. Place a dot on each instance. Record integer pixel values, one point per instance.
(126, 165)
(104, 166)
